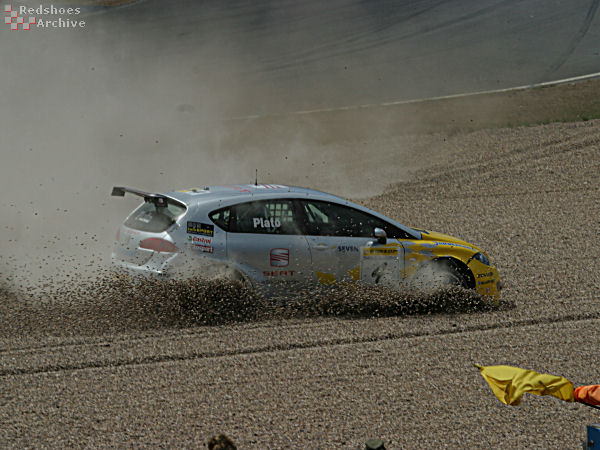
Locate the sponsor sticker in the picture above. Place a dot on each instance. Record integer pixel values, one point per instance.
(203, 248)
(279, 273)
(199, 239)
(452, 244)
(194, 191)
(483, 275)
(380, 251)
(280, 257)
(347, 248)
(145, 217)
(267, 186)
(205, 229)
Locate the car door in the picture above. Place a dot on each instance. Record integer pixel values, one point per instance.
(264, 238)
(338, 236)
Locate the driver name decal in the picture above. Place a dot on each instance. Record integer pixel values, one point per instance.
(259, 222)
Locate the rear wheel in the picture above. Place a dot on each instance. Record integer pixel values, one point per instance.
(238, 277)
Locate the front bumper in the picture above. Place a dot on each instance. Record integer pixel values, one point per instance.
(487, 280)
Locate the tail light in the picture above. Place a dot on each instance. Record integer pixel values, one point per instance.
(158, 245)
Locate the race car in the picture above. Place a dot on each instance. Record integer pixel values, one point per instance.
(263, 234)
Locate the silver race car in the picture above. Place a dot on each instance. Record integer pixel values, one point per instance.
(267, 233)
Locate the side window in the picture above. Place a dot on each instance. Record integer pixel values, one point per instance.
(264, 217)
(330, 219)
(221, 218)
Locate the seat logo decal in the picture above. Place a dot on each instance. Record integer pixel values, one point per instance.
(280, 257)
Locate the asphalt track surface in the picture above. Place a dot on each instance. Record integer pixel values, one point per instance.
(306, 55)
(265, 57)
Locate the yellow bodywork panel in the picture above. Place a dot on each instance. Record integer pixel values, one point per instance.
(432, 246)
(326, 278)
(438, 245)
(355, 273)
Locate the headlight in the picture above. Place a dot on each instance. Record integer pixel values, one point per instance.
(481, 258)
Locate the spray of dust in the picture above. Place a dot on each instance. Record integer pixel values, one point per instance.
(108, 305)
(84, 110)
(123, 103)
(129, 102)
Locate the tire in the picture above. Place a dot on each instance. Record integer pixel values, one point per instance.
(238, 277)
(442, 273)
(451, 273)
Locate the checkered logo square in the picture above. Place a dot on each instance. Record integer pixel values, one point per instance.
(14, 20)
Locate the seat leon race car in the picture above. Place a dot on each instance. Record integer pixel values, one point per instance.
(266, 234)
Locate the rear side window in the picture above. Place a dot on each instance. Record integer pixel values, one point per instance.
(221, 218)
(155, 219)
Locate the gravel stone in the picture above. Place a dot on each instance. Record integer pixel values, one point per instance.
(108, 362)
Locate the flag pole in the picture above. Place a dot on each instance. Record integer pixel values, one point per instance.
(587, 404)
(584, 403)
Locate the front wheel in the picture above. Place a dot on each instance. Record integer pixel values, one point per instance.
(442, 273)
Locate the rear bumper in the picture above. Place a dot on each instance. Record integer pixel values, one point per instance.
(176, 266)
(157, 264)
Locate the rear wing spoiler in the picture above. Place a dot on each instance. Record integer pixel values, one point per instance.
(159, 200)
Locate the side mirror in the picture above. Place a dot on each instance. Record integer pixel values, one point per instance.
(381, 236)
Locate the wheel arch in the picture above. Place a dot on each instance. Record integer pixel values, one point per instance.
(459, 267)
(236, 273)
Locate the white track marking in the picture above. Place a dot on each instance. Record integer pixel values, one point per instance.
(421, 100)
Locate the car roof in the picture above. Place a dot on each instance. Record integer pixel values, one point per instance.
(238, 191)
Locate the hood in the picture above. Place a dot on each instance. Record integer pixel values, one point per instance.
(440, 237)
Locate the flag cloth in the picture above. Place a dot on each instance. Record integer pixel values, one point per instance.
(588, 394)
(510, 383)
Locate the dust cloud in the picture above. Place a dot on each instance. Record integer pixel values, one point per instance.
(83, 110)
(130, 101)
(86, 109)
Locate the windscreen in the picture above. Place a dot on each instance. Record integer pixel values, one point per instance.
(155, 219)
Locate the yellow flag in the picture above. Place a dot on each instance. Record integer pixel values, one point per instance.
(510, 383)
